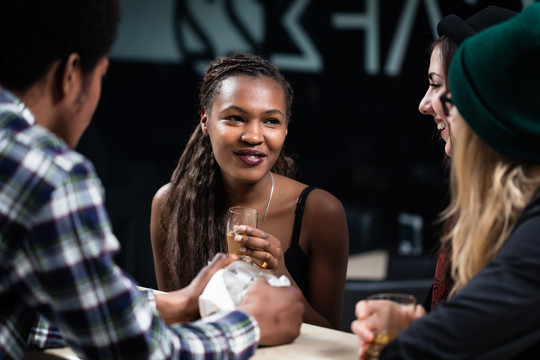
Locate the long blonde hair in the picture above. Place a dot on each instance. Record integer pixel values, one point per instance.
(489, 192)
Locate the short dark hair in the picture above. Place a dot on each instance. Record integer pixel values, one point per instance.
(36, 33)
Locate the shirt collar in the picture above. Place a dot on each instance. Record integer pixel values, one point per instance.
(8, 101)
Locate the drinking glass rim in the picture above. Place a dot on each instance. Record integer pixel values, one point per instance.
(234, 209)
(391, 296)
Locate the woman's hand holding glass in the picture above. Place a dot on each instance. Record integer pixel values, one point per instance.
(365, 326)
(238, 218)
(263, 248)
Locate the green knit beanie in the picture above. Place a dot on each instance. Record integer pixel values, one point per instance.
(495, 84)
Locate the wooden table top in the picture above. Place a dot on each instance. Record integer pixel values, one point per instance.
(314, 342)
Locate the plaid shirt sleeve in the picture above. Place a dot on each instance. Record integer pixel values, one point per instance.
(70, 276)
(45, 335)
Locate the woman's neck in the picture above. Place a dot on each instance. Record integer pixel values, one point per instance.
(253, 195)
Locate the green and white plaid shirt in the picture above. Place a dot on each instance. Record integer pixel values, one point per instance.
(56, 262)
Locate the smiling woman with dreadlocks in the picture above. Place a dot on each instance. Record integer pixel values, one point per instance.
(235, 157)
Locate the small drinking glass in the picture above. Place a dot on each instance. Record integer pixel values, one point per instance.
(390, 313)
(239, 215)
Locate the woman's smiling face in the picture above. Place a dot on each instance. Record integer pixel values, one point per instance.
(247, 125)
(430, 104)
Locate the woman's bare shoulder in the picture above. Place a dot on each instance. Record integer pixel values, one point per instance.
(291, 187)
(159, 196)
(157, 217)
(319, 200)
(323, 201)
(324, 222)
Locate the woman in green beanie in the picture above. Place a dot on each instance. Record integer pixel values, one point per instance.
(452, 31)
(492, 312)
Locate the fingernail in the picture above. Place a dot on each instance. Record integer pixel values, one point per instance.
(367, 335)
(242, 249)
(238, 238)
(241, 228)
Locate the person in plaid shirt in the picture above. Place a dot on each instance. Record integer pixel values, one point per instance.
(56, 242)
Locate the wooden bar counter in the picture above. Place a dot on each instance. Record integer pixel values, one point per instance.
(314, 342)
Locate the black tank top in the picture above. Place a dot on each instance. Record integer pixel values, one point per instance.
(296, 261)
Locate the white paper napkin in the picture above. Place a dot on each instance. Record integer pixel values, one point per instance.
(227, 287)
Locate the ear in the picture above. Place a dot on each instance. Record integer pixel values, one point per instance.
(71, 76)
(204, 122)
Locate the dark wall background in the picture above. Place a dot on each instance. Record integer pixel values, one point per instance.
(355, 134)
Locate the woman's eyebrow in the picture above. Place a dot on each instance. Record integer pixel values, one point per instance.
(234, 107)
(432, 74)
(273, 111)
(242, 110)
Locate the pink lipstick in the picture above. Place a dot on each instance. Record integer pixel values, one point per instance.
(250, 157)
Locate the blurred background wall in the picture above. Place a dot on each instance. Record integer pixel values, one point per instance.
(359, 70)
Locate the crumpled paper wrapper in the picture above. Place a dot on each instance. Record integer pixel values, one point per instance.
(227, 287)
